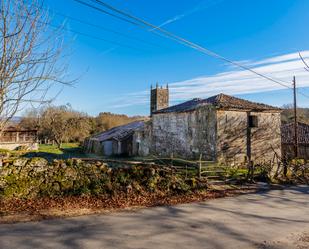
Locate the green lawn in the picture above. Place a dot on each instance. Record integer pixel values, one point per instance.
(48, 148)
(50, 152)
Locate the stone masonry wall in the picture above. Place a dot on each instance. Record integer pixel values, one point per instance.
(142, 140)
(232, 137)
(36, 177)
(266, 139)
(186, 135)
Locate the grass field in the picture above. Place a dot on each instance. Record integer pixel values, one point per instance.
(68, 150)
(48, 148)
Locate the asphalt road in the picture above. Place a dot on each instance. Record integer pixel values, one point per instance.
(270, 219)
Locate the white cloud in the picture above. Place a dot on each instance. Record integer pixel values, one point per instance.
(282, 67)
(201, 6)
(280, 58)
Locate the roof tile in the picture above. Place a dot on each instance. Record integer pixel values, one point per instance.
(220, 101)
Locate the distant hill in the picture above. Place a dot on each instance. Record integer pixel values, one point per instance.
(16, 120)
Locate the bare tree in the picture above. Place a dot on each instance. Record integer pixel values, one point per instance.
(31, 61)
(63, 124)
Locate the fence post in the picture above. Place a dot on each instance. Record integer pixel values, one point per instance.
(200, 167)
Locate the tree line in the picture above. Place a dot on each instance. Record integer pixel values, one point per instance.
(62, 124)
(288, 114)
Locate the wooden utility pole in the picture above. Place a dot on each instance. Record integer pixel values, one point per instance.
(295, 120)
(248, 154)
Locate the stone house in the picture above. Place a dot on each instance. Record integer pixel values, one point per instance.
(13, 138)
(221, 128)
(116, 141)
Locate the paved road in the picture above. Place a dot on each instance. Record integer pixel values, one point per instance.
(270, 219)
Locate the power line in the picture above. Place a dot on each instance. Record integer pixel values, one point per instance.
(87, 35)
(118, 17)
(91, 36)
(185, 41)
(104, 28)
(106, 12)
(142, 23)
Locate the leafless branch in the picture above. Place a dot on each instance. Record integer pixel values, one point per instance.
(31, 61)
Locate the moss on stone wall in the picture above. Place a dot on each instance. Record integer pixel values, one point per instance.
(36, 177)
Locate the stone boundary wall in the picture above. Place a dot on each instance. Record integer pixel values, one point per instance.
(36, 177)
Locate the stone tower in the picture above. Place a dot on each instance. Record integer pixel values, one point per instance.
(159, 98)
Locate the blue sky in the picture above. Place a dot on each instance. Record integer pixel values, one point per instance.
(262, 34)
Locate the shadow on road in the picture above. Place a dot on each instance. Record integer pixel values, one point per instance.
(235, 222)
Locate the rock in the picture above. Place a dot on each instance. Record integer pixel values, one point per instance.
(98, 163)
(67, 185)
(56, 187)
(63, 165)
(5, 171)
(129, 189)
(103, 168)
(20, 162)
(70, 173)
(38, 162)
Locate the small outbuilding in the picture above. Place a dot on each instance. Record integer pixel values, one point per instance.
(13, 138)
(116, 141)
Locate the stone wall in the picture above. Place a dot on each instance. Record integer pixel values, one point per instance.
(232, 136)
(36, 177)
(266, 139)
(186, 134)
(142, 140)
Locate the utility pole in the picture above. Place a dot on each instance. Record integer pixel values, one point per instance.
(295, 120)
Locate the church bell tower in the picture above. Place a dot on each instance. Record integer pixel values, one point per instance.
(159, 98)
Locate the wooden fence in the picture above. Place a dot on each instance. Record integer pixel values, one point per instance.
(209, 170)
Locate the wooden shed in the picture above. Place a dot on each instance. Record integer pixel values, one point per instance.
(13, 138)
(288, 137)
(116, 141)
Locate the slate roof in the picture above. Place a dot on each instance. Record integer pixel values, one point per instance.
(287, 133)
(119, 133)
(222, 101)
